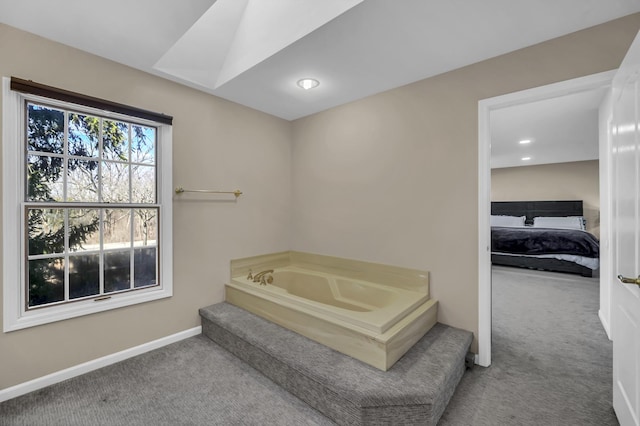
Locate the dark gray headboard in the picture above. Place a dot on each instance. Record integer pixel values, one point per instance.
(531, 209)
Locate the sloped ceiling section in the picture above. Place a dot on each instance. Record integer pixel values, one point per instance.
(236, 35)
(135, 33)
(199, 55)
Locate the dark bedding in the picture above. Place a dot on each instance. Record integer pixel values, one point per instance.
(537, 241)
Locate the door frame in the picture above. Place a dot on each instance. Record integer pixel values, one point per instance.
(485, 107)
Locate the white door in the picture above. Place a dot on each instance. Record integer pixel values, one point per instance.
(625, 307)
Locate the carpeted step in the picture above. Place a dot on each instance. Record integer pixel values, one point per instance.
(415, 390)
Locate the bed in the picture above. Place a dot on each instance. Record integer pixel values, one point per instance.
(546, 235)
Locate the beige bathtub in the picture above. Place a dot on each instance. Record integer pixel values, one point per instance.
(369, 321)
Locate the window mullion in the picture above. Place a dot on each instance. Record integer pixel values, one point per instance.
(54, 204)
(65, 157)
(101, 200)
(132, 248)
(132, 211)
(129, 163)
(101, 214)
(66, 257)
(65, 194)
(100, 157)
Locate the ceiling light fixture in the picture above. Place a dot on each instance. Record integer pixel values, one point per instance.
(526, 158)
(524, 141)
(308, 83)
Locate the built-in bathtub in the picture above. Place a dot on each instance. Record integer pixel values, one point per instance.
(340, 305)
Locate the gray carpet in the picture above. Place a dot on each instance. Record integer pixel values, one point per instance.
(415, 391)
(551, 366)
(551, 357)
(192, 382)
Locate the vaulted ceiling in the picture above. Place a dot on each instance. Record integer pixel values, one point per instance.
(254, 51)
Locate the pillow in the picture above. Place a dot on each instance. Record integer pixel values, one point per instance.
(508, 221)
(569, 222)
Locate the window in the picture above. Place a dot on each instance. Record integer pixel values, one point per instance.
(87, 208)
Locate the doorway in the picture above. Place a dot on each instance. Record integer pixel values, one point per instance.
(485, 108)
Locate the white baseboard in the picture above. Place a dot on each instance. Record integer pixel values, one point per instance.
(77, 370)
(605, 324)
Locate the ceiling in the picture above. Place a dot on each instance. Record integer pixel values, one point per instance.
(254, 51)
(560, 129)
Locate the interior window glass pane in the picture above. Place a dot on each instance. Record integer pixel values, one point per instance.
(117, 228)
(143, 184)
(144, 266)
(45, 129)
(84, 229)
(84, 275)
(115, 140)
(44, 178)
(46, 281)
(84, 133)
(82, 180)
(145, 231)
(117, 270)
(146, 241)
(115, 182)
(143, 144)
(45, 230)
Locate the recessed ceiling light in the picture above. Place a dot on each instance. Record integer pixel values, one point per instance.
(524, 141)
(308, 83)
(526, 158)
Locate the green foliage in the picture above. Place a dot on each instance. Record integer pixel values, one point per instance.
(46, 281)
(114, 139)
(46, 134)
(45, 129)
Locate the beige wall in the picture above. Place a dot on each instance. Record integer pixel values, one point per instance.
(217, 145)
(564, 181)
(393, 178)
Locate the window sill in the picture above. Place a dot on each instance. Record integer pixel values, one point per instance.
(51, 314)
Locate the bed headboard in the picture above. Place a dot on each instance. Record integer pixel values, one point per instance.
(531, 209)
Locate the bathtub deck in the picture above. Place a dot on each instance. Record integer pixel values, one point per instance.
(415, 390)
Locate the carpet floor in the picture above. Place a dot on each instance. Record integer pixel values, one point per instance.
(551, 358)
(551, 366)
(191, 382)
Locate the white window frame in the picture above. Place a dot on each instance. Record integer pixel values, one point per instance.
(15, 314)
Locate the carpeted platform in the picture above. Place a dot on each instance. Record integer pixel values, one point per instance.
(415, 390)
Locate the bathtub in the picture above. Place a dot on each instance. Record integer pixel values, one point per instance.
(369, 321)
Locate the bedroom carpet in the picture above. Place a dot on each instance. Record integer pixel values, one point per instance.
(552, 361)
(551, 366)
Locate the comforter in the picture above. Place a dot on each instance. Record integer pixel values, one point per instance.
(541, 241)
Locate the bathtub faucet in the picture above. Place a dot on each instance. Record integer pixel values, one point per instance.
(259, 277)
